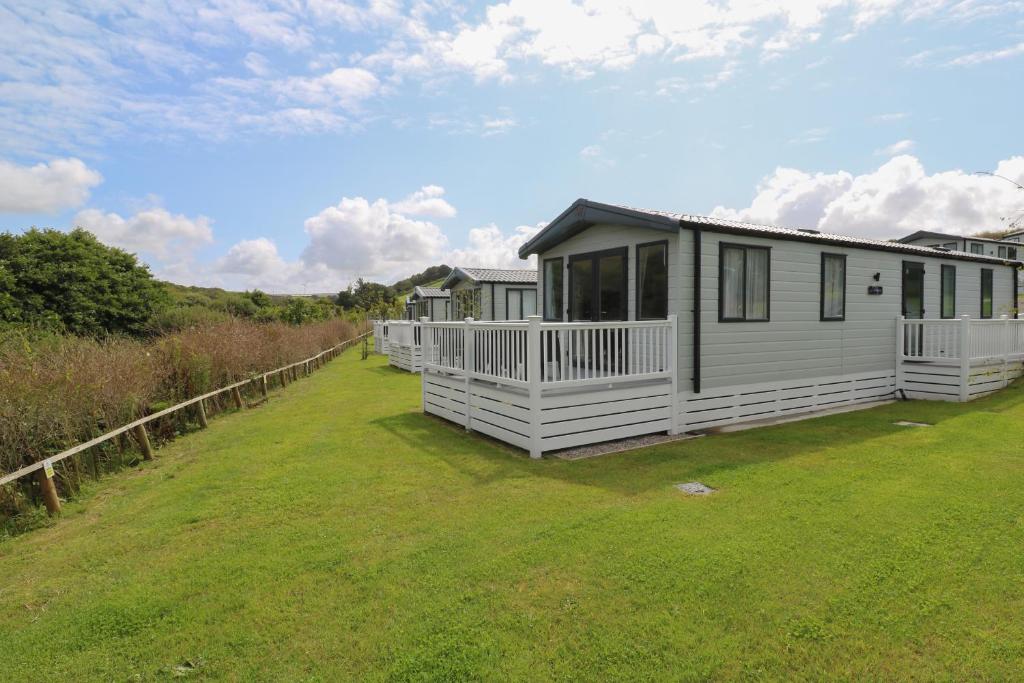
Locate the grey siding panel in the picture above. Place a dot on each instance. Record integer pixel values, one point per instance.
(795, 344)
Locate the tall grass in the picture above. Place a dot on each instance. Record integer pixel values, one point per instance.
(58, 391)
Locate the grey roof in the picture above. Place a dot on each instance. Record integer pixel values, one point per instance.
(497, 275)
(922, 234)
(430, 293)
(583, 213)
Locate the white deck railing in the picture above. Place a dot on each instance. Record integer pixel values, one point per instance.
(962, 339)
(566, 354)
(380, 335)
(404, 332)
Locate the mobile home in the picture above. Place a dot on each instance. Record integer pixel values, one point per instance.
(652, 321)
(492, 293)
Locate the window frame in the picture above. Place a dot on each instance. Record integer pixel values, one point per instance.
(722, 246)
(522, 291)
(825, 255)
(1001, 251)
(976, 248)
(1011, 253)
(942, 291)
(991, 294)
(636, 277)
(561, 295)
(595, 294)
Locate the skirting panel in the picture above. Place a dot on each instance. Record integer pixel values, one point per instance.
(933, 381)
(408, 358)
(745, 403)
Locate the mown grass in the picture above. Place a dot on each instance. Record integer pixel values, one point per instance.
(336, 533)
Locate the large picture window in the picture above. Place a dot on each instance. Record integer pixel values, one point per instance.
(833, 287)
(520, 304)
(947, 303)
(652, 281)
(743, 283)
(986, 292)
(553, 270)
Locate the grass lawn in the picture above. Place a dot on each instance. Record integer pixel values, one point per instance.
(337, 533)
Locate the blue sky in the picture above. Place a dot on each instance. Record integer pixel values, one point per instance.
(294, 145)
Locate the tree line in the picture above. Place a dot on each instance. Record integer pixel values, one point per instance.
(70, 282)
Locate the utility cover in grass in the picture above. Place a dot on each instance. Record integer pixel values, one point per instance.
(695, 488)
(905, 423)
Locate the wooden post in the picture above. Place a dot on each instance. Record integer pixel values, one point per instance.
(673, 361)
(428, 354)
(468, 364)
(533, 376)
(143, 438)
(236, 395)
(899, 353)
(263, 386)
(1006, 347)
(965, 358)
(49, 492)
(203, 422)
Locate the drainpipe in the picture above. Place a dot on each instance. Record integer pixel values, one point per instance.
(696, 308)
(492, 303)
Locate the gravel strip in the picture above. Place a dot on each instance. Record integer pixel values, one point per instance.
(606, 447)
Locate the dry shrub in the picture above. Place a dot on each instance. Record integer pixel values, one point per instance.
(56, 392)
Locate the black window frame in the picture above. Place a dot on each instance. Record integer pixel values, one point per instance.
(722, 246)
(991, 294)
(636, 276)
(1001, 251)
(561, 295)
(521, 290)
(1011, 253)
(977, 248)
(942, 291)
(825, 255)
(594, 257)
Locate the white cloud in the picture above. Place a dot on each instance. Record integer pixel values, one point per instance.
(489, 247)
(257, 64)
(983, 56)
(897, 198)
(45, 187)
(366, 238)
(426, 201)
(890, 117)
(896, 148)
(596, 155)
(810, 136)
(156, 231)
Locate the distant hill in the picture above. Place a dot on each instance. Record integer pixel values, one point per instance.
(431, 277)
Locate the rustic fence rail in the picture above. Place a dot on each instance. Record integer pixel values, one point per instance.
(285, 373)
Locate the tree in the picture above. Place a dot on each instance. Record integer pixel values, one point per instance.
(73, 281)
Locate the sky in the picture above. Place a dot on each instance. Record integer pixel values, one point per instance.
(296, 145)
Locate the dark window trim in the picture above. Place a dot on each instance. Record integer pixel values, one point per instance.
(636, 277)
(517, 289)
(977, 245)
(595, 294)
(991, 294)
(903, 287)
(544, 304)
(722, 246)
(942, 291)
(821, 294)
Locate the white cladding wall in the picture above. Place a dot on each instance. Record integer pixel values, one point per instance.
(795, 343)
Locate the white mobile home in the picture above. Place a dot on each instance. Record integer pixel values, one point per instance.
(430, 302)
(492, 293)
(1002, 248)
(653, 321)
